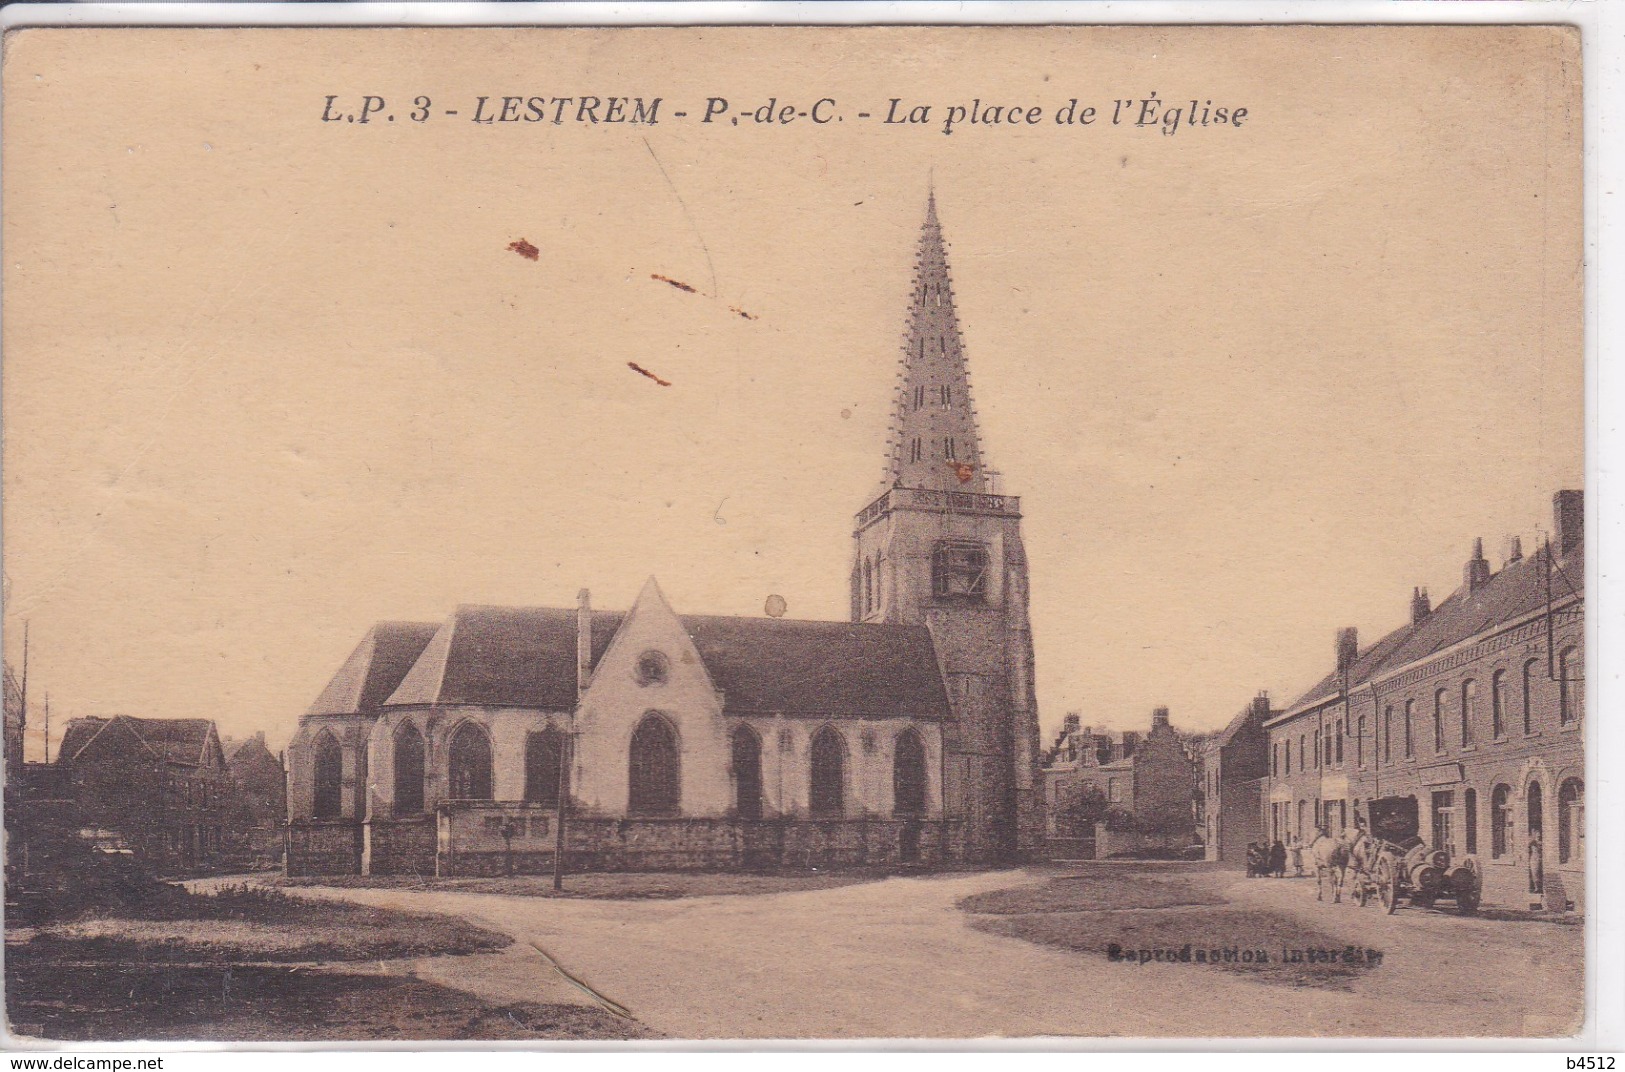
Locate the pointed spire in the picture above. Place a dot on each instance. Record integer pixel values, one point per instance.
(935, 442)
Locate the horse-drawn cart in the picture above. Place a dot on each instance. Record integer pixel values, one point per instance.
(1396, 863)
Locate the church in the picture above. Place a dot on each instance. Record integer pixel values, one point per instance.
(673, 741)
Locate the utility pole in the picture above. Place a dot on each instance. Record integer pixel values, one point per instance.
(563, 795)
(47, 727)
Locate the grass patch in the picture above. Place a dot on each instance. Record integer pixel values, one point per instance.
(130, 1002)
(253, 924)
(612, 886)
(1099, 891)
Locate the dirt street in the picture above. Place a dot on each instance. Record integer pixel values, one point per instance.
(896, 958)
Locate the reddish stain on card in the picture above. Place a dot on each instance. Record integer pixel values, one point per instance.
(741, 312)
(680, 286)
(641, 371)
(525, 249)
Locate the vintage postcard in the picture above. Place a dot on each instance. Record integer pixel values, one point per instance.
(661, 533)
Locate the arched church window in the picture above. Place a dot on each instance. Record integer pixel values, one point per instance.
(747, 772)
(959, 571)
(948, 448)
(919, 396)
(828, 796)
(544, 752)
(654, 785)
(408, 765)
(469, 768)
(915, 450)
(908, 774)
(947, 394)
(329, 776)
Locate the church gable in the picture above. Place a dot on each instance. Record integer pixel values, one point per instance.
(651, 672)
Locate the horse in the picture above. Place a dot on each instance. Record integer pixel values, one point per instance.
(1331, 857)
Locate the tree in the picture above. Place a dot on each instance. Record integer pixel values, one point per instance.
(1079, 806)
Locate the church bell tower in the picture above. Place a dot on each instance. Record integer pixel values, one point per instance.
(941, 547)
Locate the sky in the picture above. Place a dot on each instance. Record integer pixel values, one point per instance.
(268, 380)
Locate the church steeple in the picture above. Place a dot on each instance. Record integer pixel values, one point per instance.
(934, 441)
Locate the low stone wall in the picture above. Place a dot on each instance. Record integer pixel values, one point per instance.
(323, 847)
(712, 845)
(503, 839)
(400, 846)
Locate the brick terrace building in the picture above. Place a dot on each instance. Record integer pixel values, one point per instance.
(1475, 707)
(159, 784)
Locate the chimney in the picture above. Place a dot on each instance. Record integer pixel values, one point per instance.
(1476, 574)
(1568, 520)
(1159, 718)
(583, 641)
(1421, 606)
(1348, 648)
(1514, 551)
(1261, 703)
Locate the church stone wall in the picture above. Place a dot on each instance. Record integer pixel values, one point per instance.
(317, 847)
(400, 846)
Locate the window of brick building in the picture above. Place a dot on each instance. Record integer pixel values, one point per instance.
(1570, 690)
(1438, 721)
(1469, 808)
(1530, 668)
(1410, 736)
(1498, 704)
(1469, 700)
(1571, 821)
(1500, 821)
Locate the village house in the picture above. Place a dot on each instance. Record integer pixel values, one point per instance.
(1234, 766)
(259, 803)
(160, 786)
(1476, 708)
(1109, 794)
(907, 734)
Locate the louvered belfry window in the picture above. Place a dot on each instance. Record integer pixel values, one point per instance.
(959, 571)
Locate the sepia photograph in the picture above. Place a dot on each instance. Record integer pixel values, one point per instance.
(644, 534)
